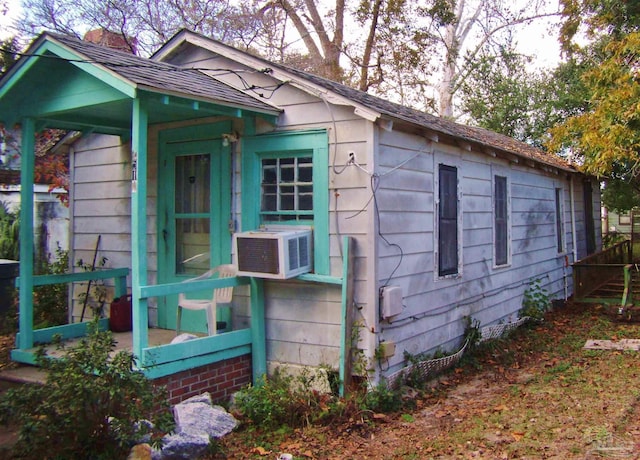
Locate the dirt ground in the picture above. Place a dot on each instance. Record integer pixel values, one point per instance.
(537, 395)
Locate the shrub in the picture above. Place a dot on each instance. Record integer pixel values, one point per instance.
(91, 406)
(9, 233)
(283, 400)
(382, 399)
(535, 301)
(50, 303)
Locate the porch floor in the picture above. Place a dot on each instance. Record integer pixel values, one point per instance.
(25, 373)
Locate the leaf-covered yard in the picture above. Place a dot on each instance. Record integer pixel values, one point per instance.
(536, 395)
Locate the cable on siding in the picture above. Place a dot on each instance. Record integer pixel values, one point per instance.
(447, 308)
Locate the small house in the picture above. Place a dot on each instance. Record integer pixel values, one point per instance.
(362, 230)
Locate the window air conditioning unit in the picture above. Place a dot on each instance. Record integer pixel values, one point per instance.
(278, 253)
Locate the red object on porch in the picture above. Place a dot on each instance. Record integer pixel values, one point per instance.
(120, 314)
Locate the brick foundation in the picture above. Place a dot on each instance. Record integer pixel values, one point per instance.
(221, 380)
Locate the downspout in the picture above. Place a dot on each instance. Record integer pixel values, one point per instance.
(573, 221)
(573, 238)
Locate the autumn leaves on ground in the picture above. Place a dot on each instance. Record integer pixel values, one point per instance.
(537, 394)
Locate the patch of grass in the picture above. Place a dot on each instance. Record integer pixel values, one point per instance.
(408, 418)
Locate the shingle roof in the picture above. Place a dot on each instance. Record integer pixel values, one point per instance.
(489, 139)
(161, 76)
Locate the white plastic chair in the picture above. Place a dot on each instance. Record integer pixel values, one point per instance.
(220, 296)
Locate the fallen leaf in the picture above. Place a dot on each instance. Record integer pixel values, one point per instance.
(500, 408)
(307, 454)
(379, 416)
(260, 451)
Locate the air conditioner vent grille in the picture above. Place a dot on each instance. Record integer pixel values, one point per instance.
(258, 255)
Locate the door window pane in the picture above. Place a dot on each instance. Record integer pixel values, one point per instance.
(192, 246)
(192, 184)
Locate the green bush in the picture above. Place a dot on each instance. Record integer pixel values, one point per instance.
(9, 233)
(285, 401)
(535, 301)
(89, 407)
(51, 302)
(382, 399)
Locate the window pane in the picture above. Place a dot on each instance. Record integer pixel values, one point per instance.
(192, 184)
(269, 202)
(287, 174)
(287, 200)
(192, 246)
(305, 202)
(269, 175)
(305, 173)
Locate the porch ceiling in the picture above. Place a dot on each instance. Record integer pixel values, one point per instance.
(66, 83)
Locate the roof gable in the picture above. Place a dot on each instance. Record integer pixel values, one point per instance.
(74, 77)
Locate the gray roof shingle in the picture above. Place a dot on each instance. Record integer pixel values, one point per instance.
(161, 76)
(484, 137)
(489, 140)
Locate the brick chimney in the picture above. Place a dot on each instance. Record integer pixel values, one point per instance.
(111, 40)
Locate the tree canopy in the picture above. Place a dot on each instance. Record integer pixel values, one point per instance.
(605, 135)
(418, 53)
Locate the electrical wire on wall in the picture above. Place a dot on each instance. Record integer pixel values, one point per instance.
(447, 308)
(375, 183)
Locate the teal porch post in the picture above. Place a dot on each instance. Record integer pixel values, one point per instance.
(139, 225)
(27, 165)
(258, 334)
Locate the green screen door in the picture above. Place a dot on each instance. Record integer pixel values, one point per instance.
(194, 196)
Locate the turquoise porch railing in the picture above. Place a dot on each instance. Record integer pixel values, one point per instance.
(25, 339)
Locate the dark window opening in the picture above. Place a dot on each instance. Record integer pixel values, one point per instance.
(448, 221)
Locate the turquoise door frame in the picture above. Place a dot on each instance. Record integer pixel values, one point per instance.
(202, 144)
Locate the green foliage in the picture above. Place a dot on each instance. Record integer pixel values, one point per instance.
(535, 301)
(295, 401)
(95, 294)
(501, 95)
(611, 239)
(472, 332)
(281, 400)
(9, 233)
(620, 192)
(606, 136)
(8, 52)
(382, 399)
(93, 404)
(504, 96)
(50, 303)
